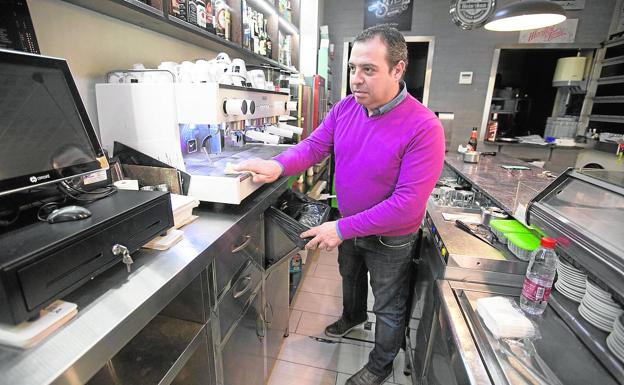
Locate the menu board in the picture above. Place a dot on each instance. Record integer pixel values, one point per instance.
(16, 27)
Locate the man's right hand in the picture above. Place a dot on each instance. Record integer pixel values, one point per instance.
(266, 171)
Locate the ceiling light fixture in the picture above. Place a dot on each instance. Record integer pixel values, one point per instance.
(525, 15)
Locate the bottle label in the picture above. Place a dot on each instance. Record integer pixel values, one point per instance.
(533, 291)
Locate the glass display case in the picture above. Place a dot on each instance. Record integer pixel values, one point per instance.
(584, 210)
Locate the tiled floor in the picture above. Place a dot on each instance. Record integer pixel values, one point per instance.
(308, 357)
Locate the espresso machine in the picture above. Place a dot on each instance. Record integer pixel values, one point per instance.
(200, 128)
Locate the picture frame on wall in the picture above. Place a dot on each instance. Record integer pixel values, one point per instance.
(396, 13)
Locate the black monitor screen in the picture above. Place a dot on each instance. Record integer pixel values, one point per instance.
(45, 133)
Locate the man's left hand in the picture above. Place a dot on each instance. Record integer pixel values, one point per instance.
(325, 237)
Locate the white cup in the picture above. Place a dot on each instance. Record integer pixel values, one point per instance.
(256, 78)
(116, 77)
(223, 58)
(171, 67)
(186, 72)
(201, 72)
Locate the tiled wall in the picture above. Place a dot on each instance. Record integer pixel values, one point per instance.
(455, 50)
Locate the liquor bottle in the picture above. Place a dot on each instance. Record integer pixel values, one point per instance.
(255, 33)
(201, 13)
(191, 15)
(210, 19)
(472, 143)
(246, 28)
(263, 39)
(269, 46)
(222, 19)
(492, 128)
(179, 9)
(288, 10)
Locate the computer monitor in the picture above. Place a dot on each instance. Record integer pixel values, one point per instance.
(45, 133)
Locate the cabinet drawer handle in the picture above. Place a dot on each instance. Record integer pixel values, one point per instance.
(244, 245)
(268, 320)
(260, 330)
(247, 280)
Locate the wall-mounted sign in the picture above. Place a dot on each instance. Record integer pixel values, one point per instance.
(397, 13)
(571, 5)
(470, 14)
(561, 33)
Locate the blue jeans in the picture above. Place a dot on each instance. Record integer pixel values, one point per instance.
(387, 259)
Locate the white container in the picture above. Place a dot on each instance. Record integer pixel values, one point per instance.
(570, 71)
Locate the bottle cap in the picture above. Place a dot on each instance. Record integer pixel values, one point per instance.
(548, 243)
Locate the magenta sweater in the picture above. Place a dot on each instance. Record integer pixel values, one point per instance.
(386, 165)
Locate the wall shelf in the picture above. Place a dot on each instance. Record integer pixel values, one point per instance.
(159, 20)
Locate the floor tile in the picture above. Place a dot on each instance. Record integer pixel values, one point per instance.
(318, 303)
(326, 271)
(322, 286)
(293, 322)
(313, 324)
(288, 373)
(342, 379)
(341, 357)
(399, 376)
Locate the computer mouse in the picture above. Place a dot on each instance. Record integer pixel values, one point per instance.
(68, 213)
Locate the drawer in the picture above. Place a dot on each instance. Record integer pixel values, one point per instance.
(277, 243)
(241, 244)
(76, 263)
(234, 300)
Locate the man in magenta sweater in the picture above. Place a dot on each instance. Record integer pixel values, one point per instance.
(389, 151)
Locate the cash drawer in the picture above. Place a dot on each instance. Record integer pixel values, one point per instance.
(68, 267)
(234, 300)
(243, 243)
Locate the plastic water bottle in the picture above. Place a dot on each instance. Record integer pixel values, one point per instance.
(539, 278)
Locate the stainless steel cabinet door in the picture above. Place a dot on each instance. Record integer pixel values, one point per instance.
(243, 353)
(276, 310)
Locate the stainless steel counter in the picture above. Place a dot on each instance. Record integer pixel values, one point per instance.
(115, 306)
(567, 355)
(462, 257)
(498, 183)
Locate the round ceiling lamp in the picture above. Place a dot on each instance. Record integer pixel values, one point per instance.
(525, 15)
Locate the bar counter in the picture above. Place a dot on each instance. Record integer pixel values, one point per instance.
(499, 184)
(115, 306)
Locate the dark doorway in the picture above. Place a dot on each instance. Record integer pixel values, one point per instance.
(524, 95)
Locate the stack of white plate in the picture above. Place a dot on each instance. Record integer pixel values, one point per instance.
(571, 282)
(615, 340)
(598, 308)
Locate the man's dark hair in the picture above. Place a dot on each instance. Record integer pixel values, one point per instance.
(392, 38)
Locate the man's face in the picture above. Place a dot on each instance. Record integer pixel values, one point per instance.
(373, 83)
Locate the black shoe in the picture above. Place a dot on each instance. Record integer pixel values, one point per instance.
(365, 377)
(341, 328)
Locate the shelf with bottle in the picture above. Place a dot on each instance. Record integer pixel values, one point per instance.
(258, 30)
(170, 17)
(288, 46)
